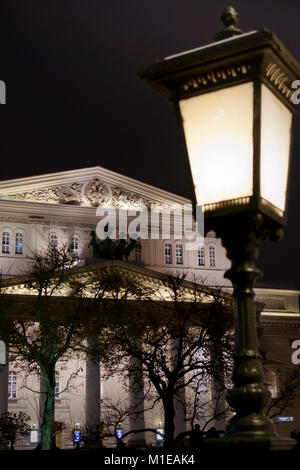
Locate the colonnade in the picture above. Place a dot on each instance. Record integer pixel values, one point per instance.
(93, 396)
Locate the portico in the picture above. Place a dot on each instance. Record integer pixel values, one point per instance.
(65, 205)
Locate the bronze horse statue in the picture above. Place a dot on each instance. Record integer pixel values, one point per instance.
(108, 249)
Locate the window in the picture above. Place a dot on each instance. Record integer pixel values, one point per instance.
(201, 257)
(53, 241)
(75, 244)
(12, 384)
(19, 244)
(168, 253)
(56, 384)
(138, 253)
(5, 242)
(212, 255)
(179, 255)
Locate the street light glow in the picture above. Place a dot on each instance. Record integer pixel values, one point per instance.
(276, 124)
(218, 129)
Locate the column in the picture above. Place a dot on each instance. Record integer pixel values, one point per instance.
(218, 389)
(179, 399)
(203, 404)
(219, 403)
(3, 378)
(180, 410)
(92, 396)
(136, 403)
(3, 385)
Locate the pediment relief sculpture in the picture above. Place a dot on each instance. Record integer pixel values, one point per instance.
(93, 192)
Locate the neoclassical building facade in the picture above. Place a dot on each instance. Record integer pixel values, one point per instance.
(65, 207)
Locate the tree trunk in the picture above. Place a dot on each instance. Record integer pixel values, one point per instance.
(48, 416)
(169, 412)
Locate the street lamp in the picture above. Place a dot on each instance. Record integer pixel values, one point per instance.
(233, 99)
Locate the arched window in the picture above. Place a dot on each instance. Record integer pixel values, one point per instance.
(179, 254)
(168, 253)
(201, 257)
(53, 241)
(5, 242)
(138, 253)
(75, 245)
(56, 384)
(12, 384)
(212, 255)
(19, 244)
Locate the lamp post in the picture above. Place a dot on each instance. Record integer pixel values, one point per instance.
(233, 99)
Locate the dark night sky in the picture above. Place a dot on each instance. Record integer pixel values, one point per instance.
(74, 99)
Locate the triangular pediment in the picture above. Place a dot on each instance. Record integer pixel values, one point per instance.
(91, 187)
(160, 282)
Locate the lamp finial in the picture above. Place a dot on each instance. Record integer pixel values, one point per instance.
(229, 19)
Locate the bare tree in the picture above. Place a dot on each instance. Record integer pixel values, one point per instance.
(43, 328)
(287, 391)
(165, 332)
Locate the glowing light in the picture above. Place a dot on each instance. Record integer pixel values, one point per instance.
(218, 129)
(276, 122)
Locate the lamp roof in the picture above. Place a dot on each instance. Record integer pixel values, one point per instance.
(165, 75)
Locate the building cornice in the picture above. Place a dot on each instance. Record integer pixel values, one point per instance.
(287, 322)
(45, 213)
(276, 291)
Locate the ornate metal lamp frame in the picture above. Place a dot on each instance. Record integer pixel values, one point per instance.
(242, 224)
